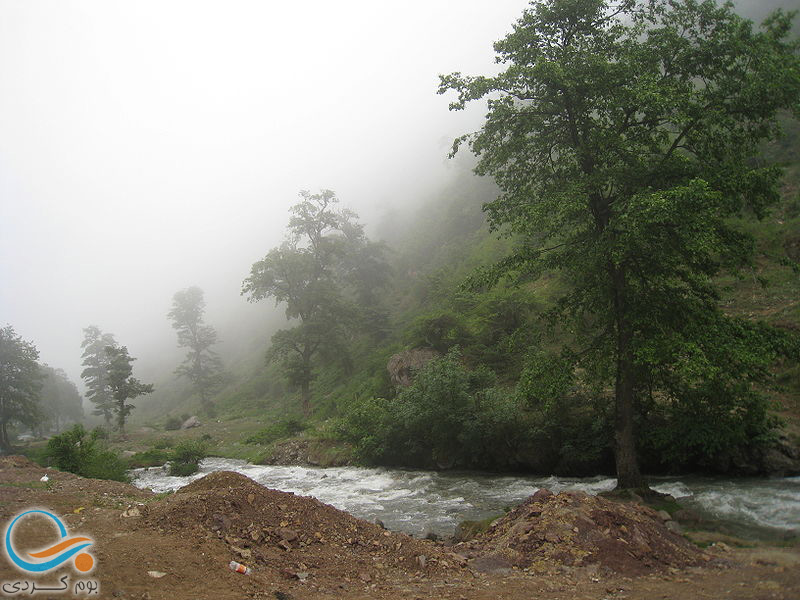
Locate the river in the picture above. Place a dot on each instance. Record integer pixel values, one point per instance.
(417, 502)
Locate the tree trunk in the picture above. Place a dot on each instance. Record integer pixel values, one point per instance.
(207, 404)
(121, 419)
(305, 396)
(627, 460)
(4, 437)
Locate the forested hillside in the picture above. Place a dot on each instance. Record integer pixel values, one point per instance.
(475, 405)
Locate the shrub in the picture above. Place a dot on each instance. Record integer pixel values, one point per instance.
(149, 458)
(84, 454)
(186, 457)
(278, 430)
(173, 424)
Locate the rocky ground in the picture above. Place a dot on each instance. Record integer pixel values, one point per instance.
(555, 547)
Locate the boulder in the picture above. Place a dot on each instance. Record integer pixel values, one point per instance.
(192, 421)
(403, 365)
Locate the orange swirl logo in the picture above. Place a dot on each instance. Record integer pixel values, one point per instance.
(61, 552)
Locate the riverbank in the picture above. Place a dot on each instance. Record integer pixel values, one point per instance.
(190, 537)
(420, 502)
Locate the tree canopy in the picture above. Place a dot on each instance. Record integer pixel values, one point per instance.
(122, 384)
(202, 365)
(623, 137)
(321, 273)
(61, 402)
(20, 383)
(95, 372)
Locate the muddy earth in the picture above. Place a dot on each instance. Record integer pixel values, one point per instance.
(553, 546)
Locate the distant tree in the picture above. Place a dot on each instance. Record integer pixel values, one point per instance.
(123, 386)
(202, 365)
(95, 373)
(322, 271)
(61, 402)
(20, 383)
(623, 135)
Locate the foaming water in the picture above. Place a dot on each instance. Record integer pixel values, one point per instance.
(420, 501)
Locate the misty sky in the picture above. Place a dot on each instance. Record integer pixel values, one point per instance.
(146, 146)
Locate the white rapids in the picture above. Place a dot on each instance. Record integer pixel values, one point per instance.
(417, 502)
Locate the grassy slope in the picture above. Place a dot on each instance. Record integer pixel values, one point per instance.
(430, 256)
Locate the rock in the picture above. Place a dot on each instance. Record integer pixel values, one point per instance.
(665, 516)
(380, 524)
(687, 517)
(156, 574)
(540, 495)
(287, 534)
(430, 535)
(192, 421)
(422, 560)
(674, 527)
(403, 365)
(491, 563)
(131, 511)
(245, 553)
(780, 462)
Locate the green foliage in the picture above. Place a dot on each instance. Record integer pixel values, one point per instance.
(186, 457)
(20, 384)
(95, 373)
(85, 454)
(284, 428)
(622, 138)
(173, 424)
(60, 400)
(449, 418)
(122, 384)
(202, 366)
(152, 457)
(323, 273)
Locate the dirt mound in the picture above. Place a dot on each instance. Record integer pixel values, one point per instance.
(284, 535)
(575, 529)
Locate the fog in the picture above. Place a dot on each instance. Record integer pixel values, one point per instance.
(149, 146)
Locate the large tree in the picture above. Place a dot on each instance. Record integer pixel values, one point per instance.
(122, 384)
(202, 365)
(61, 402)
(95, 372)
(623, 136)
(20, 382)
(321, 272)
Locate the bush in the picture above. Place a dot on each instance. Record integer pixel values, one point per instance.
(173, 424)
(186, 457)
(153, 457)
(84, 454)
(423, 425)
(284, 428)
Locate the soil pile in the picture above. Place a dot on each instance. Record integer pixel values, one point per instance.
(284, 535)
(575, 529)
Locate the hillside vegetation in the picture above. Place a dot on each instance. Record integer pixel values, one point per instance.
(474, 406)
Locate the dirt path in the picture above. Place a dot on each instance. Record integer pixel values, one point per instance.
(300, 548)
